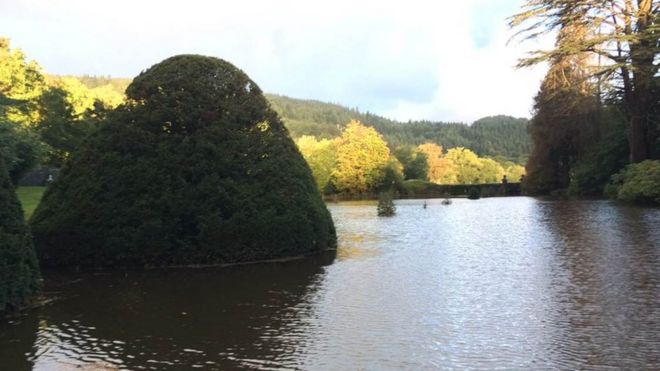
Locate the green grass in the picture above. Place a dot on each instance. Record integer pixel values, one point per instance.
(29, 198)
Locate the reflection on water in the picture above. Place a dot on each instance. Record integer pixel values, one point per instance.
(513, 283)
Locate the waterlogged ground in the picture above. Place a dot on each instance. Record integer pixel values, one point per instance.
(512, 283)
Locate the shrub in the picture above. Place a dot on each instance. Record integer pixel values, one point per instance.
(19, 271)
(20, 149)
(474, 193)
(637, 183)
(386, 204)
(195, 168)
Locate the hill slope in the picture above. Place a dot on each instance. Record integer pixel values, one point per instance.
(503, 136)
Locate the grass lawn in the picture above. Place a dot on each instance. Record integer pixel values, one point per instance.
(29, 198)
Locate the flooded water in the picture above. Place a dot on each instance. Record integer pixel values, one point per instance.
(509, 283)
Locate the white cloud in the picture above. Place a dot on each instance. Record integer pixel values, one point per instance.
(413, 60)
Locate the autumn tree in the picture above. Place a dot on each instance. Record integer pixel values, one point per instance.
(321, 156)
(439, 170)
(467, 164)
(20, 80)
(362, 156)
(514, 173)
(491, 171)
(626, 34)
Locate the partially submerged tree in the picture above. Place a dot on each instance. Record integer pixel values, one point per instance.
(19, 271)
(386, 205)
(624, 32)
(195, 168)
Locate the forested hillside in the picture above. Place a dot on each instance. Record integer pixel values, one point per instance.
(495, 136)
(503, 136)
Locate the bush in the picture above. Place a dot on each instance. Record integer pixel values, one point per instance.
(20, 149)
(386, 204)
(474, 193)
(19, 271)
(609, 155)
(638, 183)
(195, 168)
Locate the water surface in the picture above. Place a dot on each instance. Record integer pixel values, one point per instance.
(512, 283)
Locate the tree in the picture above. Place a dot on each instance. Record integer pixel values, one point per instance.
(22, 81)
(491, 171)
(19, 271)
(514, 173)
(433, 154)
(564, 117)
(362, 156)
(468, 165)
(195, 168)
(414, 162)
(61, 128)
(321, 156)
(20, 148)
(626, 34)
(81, 98)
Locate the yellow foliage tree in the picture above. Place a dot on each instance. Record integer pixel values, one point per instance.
(491, 171)
(321, 156)
(22, 81)
(362, 155)
(440, 169)
(514, 173)
(468, 165)
(81, 98)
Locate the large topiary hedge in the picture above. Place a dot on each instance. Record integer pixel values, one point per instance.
(19, 272)
(195, 168)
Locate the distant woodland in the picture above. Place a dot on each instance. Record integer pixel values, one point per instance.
(45, 118)
(494, 136)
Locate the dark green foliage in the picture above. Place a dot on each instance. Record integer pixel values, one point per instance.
(605, 157)
(414, 162)
(420, 188)
(474, 193)
(490, 136)
(386, 204)
(21, 150)
(195, 168)
(19, 271)
(58, 127)
(392, 180)
(638, 183)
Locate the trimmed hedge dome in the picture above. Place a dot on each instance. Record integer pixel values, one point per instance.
(19, 271)
(195, 168)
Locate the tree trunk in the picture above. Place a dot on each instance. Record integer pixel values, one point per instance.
(637, 139)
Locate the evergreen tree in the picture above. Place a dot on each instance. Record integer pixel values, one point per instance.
(625, 33)
(19, 271)
(564, 118)
(195, 168)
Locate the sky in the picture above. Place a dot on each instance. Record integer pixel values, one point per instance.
(442, 60)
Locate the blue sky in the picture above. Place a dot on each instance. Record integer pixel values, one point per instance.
(435, 60)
